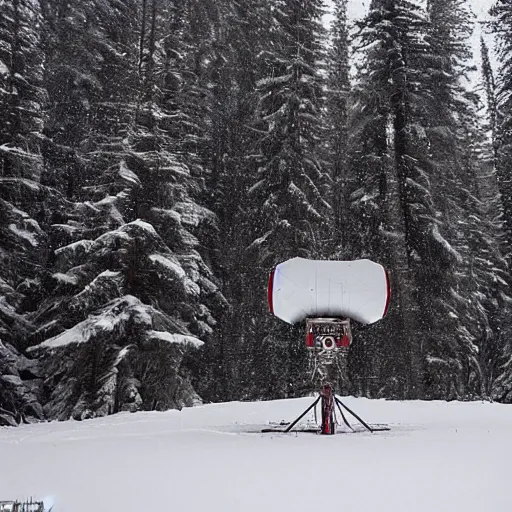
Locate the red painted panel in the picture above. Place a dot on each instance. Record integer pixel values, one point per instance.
(388, 285)
(271, 291)
(344, 342)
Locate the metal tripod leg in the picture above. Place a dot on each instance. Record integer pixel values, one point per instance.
(340, 403)
(343, 416)
(303, 414)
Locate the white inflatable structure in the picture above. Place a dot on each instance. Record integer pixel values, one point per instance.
(301, 288)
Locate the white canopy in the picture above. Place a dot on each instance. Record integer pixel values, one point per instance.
(300, 288)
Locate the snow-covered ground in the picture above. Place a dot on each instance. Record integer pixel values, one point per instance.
(437, 457)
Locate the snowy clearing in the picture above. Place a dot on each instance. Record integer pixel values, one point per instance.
(439, 456)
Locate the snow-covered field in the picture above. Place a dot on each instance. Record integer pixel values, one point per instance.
(437, 457)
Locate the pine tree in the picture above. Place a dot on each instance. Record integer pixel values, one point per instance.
(449, 266)
(128, 289)
(22, 240)
(23, 243)
(501, 26)
(337, 155)
(243, 36)
(449, 123)
(389, 194)
(406, 157)
(19, 388)
(337, 114)
(490, 92)
(289, 211)
(500, 109)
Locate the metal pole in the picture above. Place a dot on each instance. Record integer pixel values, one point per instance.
(339, 402)
(343, 416)
(328, 425)
(303, 414)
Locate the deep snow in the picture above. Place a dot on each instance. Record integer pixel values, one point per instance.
(437, 457)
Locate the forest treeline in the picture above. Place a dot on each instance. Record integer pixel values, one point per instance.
(159, 157)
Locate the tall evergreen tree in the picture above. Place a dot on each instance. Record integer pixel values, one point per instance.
(128, 289)
(244, 35)
(289, 207)
(389, 193)
(404, 126)
(23, 244)
(501, 27)
(22, 240)
(337, 118)
(502, 24)
(490, 93)
(450, 125)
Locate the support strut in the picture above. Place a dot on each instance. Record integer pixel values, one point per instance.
(328, 399)
(371, 429)
(303, 414)
(343, 416)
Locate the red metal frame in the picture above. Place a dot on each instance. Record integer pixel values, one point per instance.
(388, 298)
(339, 329)
(328, 420)
(270, 291)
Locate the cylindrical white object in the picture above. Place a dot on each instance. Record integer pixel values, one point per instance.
(301, 288)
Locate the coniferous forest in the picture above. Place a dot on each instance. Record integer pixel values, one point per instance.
(159, 157)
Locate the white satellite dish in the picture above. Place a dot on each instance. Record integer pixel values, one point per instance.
(301, 288)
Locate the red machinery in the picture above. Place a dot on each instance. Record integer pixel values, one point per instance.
(327, 294)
